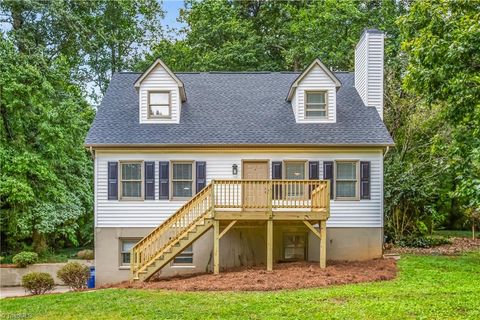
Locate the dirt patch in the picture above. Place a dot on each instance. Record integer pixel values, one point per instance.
(458, 246)
(284, 276)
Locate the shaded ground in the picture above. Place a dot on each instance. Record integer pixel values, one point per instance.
(458, 246)
(284, 276)
(20, 291)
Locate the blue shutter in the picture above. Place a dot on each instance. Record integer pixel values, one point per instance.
(313, 167)
(201, 175)
(163, 183)
(276, 175)
(113, 181)
(328, 175)
(149, 180)
(313, 174)
(365, 180)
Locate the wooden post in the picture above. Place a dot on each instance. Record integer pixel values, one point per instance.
(216, 247)
(323, 243)
(269, 245)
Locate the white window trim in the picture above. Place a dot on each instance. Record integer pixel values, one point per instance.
(305, 99)
(357, 184)
(284, 175)
(183, 265)
(304, 234)
(149, 115)
(120, 181)
(123, 266)
(194, 175)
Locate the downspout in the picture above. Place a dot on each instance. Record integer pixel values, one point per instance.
(386, 151)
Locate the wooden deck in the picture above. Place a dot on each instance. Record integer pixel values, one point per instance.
(224, 203)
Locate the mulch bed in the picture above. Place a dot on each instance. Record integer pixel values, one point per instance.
(293, 275)
(458, 246)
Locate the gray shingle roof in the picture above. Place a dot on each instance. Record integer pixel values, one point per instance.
(234, 108)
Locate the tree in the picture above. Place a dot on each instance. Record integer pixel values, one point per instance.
(95, 38)
(45, 173)
(440, 39)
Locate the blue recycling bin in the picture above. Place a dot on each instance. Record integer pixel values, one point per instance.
(91, 278)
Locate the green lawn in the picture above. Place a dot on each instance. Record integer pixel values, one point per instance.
(435, 287)
(457, 233)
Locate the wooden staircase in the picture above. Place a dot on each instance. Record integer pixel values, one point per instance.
(230, 201)
(173, 236)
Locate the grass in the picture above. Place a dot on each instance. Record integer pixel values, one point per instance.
(457, 233)
(57, 256)
(428, 287)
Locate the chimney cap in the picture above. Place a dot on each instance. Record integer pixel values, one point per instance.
(374, 31)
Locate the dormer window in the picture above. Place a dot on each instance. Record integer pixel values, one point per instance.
(159, 105)
(316, 104)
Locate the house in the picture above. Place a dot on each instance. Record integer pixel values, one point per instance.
(202, 171)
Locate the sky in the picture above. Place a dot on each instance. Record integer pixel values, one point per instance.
(172, 8)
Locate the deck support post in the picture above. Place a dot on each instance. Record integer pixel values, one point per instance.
(216, 247)
(323, 243)
(269, 245)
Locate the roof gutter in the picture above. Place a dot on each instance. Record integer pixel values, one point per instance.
(295, 145)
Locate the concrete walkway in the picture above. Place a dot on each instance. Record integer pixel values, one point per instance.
(20, 291)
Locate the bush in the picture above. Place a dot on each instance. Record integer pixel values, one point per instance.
(38, 282)
(24, 259)
(85, 254)
(423, 241)
(74, 275)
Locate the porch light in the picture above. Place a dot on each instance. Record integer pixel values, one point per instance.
(234, 169)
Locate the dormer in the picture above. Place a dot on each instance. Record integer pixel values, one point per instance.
(160, 95)
(313, 94)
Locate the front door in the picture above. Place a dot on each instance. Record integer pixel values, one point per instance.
(255, 193)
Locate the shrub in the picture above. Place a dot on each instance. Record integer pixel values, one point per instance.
(38, 282)
(24, 258)
(74, 275)
(85, 254)
(423, 241)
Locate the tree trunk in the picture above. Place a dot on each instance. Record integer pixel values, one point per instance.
(17, 10)
(39, 242)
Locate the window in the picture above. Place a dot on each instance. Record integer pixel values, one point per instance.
(346, 180)
(126, 246)
(316, 104)
(182, 179)
(131, 180)
(159, 104)
(295, 171)
(294, 246)
(184, 258)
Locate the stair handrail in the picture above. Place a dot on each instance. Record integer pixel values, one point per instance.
(140, 246)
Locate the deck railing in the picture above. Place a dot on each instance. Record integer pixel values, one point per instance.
(270, 194)
(171, 229)
(242, 195)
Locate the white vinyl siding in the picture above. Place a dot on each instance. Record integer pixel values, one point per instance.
(158, 80)
(369, 55)
(315, 80)
(124, 213)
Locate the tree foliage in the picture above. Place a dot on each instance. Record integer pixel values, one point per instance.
(95, 38)
(55, 51)
(271, 35)
(45, 173)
